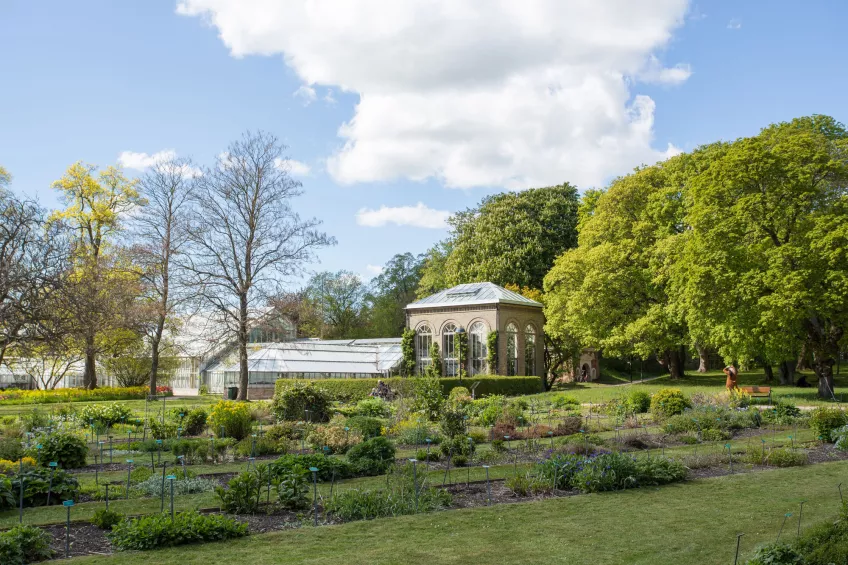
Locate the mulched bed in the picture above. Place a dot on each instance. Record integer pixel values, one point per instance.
(86, 539)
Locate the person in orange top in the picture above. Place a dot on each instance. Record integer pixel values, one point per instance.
(731, 373)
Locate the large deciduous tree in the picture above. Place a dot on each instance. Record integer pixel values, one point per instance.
(340, 299)
(391, 291)
(245, 236)
(102, 287)
(160, 237)
(765, 270)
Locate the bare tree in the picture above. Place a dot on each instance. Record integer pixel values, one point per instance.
(34, 258)
(160, 234)
(246, 237)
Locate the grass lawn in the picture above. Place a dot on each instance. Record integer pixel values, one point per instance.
(711, 382)
(689, 523)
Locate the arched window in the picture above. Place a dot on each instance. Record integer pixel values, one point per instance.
(423, 341)
(477, 345)
(529, 350)
(449, 350)
(511, 349)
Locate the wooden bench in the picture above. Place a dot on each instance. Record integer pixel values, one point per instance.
(757, 391)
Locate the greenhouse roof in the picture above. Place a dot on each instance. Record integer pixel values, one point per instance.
(366, 356)
(472, 294)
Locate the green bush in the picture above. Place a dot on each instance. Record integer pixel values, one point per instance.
(372, 457)
(422, 455)
(36, 485)
(826, 542)
(781, 413)
(785, 458)
(659, 471)
(459, 445)
(560, 468)
(459, 460)
(776, 554)
(263, 446)
(374, 408)
(638, 402)
(242, 495)
(24, 544)
(452, 422)
(616, 471)
(518, 484)
(66, 449)
(353, 390)
(157, 530)
(293, 490)
(105, 519)
(284, 430)
(11, 449)
(825, 420)
(191, 485)
(104, 415)
(292, 402)
(193, 422)
(429, 397)
(564, 401)
(668, 402)
(714, 435)
(368, 427)
(234, 417)
(328, 467)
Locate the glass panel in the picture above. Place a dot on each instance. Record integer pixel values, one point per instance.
(511, 350)
(449, 350)
(477, 345)
(423, 341)
(529, 350)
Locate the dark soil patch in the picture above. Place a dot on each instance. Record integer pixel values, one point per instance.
(86, 539)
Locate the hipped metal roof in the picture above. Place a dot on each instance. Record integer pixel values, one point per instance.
(365, 356)
(473, 294)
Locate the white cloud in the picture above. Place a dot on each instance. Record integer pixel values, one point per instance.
(141, 161)
(373, 270)
(295, 168)
(654, 72)
(419, 216)
(329, 98)
(502, 93)
(735, 23)
(306, 93)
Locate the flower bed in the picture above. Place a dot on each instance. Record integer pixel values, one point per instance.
(15, 396)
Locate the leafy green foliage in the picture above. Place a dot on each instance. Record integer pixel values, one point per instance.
(407, 348)
(105, 519)
(328, 467)
(825, 420)
(452, 422)
(373, 408)
(372, 457)
(193, 421)
(67, 449)
(24, 544)
(242, 495)
(492, 351)
(776, 554)
(11, 448)
(638, 402)
(104, 415)
(668, 402)
(234, 417)
(293, 490)
(157, 530)
(367, 427)
(292, 402)
(36, 485)
(429, 397)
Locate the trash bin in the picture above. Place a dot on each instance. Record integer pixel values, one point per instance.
(232, 393)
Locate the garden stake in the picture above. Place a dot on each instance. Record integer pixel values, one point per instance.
(730, 455)
(101, 453)
(107, 496)
(129, 470)
(552, 439)
(269, 485)
(96, 471)
(470, 459)
(152, 462)
(253, 445)
(68, 504)
(738, 538)
(785, 516)
(427, 463)
(415, 481)
(333, 482)
(488, 486)
(347, 435)
(763, 456)
(172, 478)
(251, 461)
(839, 486)
(129, 438)
(21, 476)
(52, 466)
(110, 450)
(447, 468)
(159, 443)
(800, 515)
(315, 492)
(182, 461)
(162, 509)
(179, 430)
(222, 431)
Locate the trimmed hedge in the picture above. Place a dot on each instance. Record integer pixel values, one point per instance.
(351, 390)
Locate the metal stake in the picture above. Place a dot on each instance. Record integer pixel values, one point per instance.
(785, 517)
(415, 481)
(800, 515)
(172, 478)
(68, 504)
(52, 466)
(129, 471)
(488, 486)
(315, 492)
(738, 538)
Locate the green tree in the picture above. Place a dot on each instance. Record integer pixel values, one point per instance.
(391, 291)
(512, 237)
(433, 277)
(765, 265)
(340, 299)
(434, 369)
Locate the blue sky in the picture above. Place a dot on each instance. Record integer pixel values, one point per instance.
(446, 106)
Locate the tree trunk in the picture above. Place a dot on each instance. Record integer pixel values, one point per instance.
(703, 359)
(244, 379)
(675, 363)
(786, 373)
(824, 371)
(823, 339)
(154, 355)
(768, 371)
(801, 365)
(89, 375)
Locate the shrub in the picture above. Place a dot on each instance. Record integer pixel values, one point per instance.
(284, 430)
(564, 401)
(422, 455)
(372, 457)
(24, 544)
(840, 437)
(638, 402)
(374, 408)
(105, 519)
(825, 543)
(429, 397)
(157, 530)
(293, 490)
(825, 420)
(105, 415)
(242, 495)
(782, 413)
(559, 468)
(260, 447)
(452, 422)
(353, 390)
(714, 435)
(610, 471)
(36, 484)
(659, 471)
(458, 446)
(334, 437)
(9, 467)
(668, 402)
(161, 430)
(194, 422)
(140, 474)
(328, 467)
(66, 449)
(776, 554)
(233, 416)
(459, 460)
(414, 431)
(291, 403)
(368, 427)
(11, 449)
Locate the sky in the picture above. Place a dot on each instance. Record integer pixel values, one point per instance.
(397, 114)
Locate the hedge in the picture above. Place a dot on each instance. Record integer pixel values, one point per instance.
(351, 390)
(17, 396)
